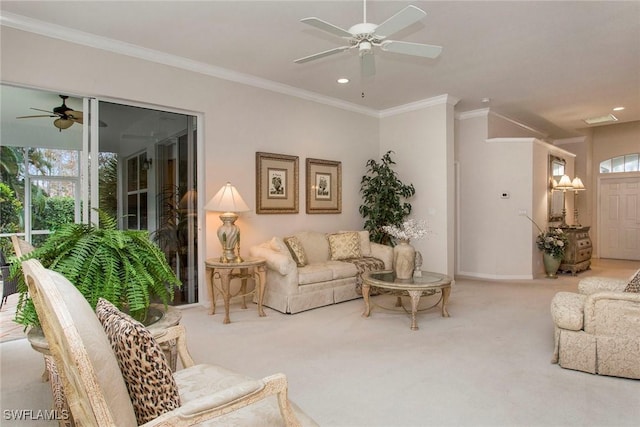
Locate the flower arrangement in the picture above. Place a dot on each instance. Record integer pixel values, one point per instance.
(410, 229)
(552, 242)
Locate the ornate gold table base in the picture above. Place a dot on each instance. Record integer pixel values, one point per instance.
(253, 268)
(415, 288)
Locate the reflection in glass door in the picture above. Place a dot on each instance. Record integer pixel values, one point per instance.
(155, 169)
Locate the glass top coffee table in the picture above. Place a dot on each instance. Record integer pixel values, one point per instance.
(427, 283)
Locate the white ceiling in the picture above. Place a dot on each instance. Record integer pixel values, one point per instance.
(550, 64)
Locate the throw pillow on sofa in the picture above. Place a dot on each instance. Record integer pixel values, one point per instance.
(296, 249)
(344, 246)
(634, 284)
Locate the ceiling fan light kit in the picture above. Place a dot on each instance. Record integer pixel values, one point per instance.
(365, 36)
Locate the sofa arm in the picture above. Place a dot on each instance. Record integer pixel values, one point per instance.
(613, 314)
(384, 253)
(276, 261)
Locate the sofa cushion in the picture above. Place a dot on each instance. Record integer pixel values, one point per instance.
(341, 269)
(296, 249)
(344, 245)
(634, 283)
(316, 246)
(152, 388)
(314, 273)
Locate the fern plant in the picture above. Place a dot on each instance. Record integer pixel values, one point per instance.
(122, 266)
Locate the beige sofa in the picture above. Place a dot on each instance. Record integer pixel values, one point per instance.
(598, 329)
(330, 274)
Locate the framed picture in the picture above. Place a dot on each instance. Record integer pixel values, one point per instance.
(276, 183)
(324, 186)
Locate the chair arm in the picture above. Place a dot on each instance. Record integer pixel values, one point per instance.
(229, 400)
(612, 313)
(590, 285)
(178, 333)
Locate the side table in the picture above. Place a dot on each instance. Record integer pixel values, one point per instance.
(254, 268)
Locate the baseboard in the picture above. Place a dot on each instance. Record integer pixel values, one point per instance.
(472, 275)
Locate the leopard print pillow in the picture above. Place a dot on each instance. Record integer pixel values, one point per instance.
(634, 284)
(144, 367)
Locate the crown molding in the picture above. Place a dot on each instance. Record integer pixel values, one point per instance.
(575, 140)
(424, 103)
(59, 32)
(464, 115)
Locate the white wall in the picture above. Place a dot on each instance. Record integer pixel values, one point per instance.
(238, 121)
(423, 142)
(496, 241)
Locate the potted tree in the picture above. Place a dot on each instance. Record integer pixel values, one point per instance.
(122, 266)
(383, 195)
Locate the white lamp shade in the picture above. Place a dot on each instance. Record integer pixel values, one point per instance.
(227, 199)
(565, 183)
(577, 184)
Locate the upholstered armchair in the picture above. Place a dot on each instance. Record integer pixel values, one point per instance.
(598, 329)
(98, 354)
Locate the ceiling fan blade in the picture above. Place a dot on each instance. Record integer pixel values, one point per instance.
(46, 111)
(76, 116)
(327, 27)
(399, 21)
(367, 65)
(408, 48)
(321, 54)
(30, 117)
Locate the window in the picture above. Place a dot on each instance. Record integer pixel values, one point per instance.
(626, 163)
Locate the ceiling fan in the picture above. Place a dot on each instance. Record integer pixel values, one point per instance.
(65, 116)
(365, 36)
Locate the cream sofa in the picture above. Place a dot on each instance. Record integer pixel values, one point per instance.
(329, 275)
(598, 329)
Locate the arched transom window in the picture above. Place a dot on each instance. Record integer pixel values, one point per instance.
(626, 163)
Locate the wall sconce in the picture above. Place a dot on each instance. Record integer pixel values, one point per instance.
(564, 185)
(577, 186)
(228, 201)
(146, 164)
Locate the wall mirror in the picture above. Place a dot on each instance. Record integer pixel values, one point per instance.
(556, 201)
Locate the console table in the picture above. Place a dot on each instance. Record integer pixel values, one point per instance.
(577, 255)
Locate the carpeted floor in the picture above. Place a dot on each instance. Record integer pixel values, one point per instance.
(486, 365)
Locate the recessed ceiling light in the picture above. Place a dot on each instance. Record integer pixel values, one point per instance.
(343, 80)
(618, 109)
(602, 119)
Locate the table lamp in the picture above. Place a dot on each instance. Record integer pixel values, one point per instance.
(228, 201)
(577, 186)
(564, 185)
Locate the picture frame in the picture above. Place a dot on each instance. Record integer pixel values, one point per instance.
(323, 186)
(276, 183)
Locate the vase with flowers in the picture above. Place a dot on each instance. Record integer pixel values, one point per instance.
(552, 243)
(404, 254)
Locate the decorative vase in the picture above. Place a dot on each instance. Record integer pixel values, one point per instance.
(551, 265)
(404, 256)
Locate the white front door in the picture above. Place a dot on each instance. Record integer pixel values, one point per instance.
(620, 218)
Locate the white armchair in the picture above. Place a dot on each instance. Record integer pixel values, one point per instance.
(97, 396)
(598, 329)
